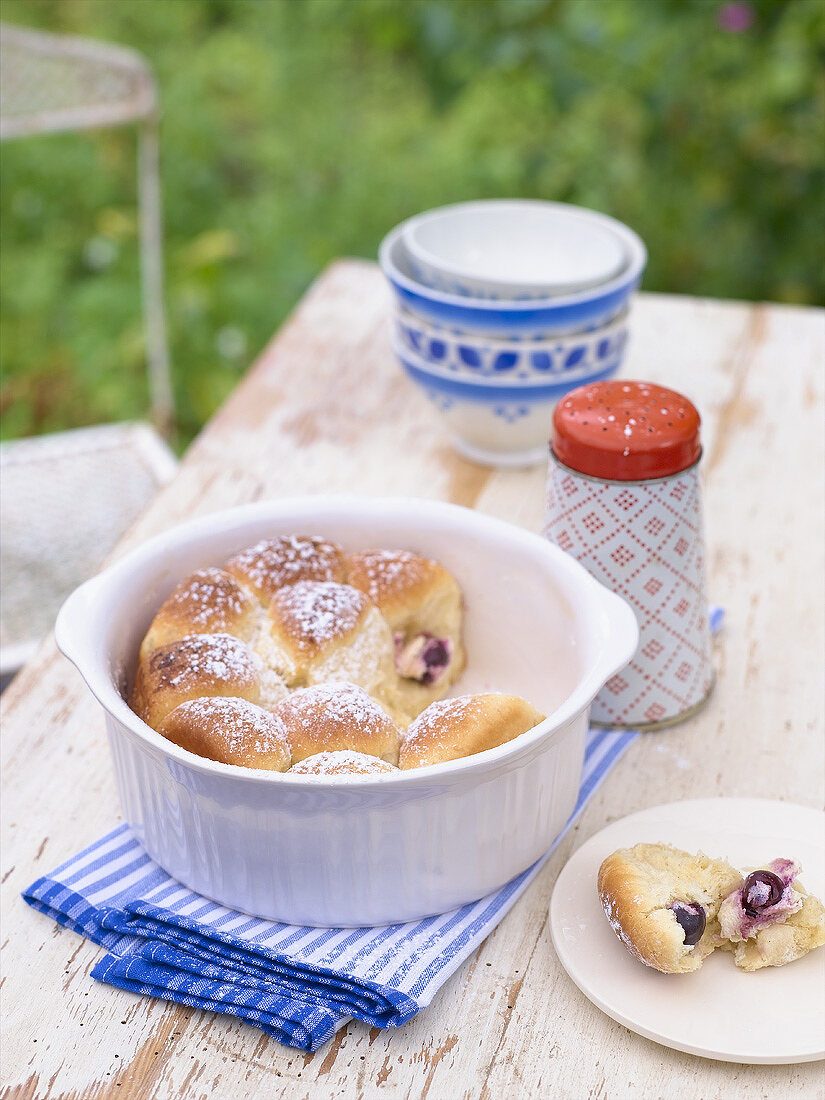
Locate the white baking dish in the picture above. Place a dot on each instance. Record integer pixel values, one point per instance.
(365, 849)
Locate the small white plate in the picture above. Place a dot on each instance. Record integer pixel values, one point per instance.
(775, 1015)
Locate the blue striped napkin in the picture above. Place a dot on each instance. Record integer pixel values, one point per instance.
(298, 984)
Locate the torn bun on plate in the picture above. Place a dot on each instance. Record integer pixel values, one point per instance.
(771, 919)
(663, 903)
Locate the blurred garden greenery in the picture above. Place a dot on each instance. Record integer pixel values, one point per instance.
(295, 131)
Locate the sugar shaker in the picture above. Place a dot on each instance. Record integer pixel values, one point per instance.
(623, 497)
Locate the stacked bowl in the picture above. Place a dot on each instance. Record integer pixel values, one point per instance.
(504, 306)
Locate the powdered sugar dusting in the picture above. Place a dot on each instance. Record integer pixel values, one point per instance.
(433, 725)
(210, 597)
(312, 613)
(381, 573)
(241, 728)
(341, 705)
(273, 563)
(344, 762)
(208, 659)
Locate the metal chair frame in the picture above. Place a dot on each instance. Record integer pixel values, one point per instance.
(52, 83)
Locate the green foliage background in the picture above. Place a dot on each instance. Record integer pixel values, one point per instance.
(295, 131)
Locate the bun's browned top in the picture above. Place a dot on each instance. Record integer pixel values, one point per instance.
(273, 563)
(311, 614)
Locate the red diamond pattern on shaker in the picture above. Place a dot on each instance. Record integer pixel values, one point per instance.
(621, 555)
(647, 547)
(655, 712)
(617, 684)
(565, 542)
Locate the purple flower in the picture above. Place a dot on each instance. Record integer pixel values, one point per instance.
(735, 17)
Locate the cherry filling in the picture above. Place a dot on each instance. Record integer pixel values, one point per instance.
(424, 657)
(761, 890)
(692, 919)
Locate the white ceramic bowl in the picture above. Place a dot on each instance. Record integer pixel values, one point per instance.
(514, 249)
(365, 849)
(536, 360)
(495, 420)
(548, 316)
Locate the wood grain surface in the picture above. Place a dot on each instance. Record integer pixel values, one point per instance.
(326, 409)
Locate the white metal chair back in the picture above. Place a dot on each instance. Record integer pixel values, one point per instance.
(51, 83)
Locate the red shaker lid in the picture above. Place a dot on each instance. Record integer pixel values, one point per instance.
(626, 431)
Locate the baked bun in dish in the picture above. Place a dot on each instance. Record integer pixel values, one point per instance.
(210, 601)
(452, 728)
(421, 602)
(342, 763)
(337, 717)
(200, 665)
(271, 564)
(322, 631)
(229, 730)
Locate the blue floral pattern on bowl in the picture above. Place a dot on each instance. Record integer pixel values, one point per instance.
(499, 420)
(459, 353)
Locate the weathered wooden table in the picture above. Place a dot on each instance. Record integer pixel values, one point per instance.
(325, 408)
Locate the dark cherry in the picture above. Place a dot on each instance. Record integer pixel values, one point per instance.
(435, 657)
(761, 890)
(692, 919)
(435, 653)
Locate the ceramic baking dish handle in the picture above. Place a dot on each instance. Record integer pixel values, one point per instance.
(621, 635)
(77, 627)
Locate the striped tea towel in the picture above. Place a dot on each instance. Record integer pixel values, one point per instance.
(298, 984)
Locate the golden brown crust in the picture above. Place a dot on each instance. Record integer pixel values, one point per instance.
(273, 563)
(336, 717)
(195, 666)
(229, 730)
(311, 616)
(342, 763)
(453, 728)
(638, 885)
(210, 601)
(421, 601)
(396, 580)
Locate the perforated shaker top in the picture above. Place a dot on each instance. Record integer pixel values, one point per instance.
(626, 431)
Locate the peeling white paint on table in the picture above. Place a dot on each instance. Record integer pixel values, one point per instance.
(325, 409)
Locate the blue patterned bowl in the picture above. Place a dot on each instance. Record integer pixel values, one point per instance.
(514, 249)
(545, 360)
(546, 316)
(494, 420)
